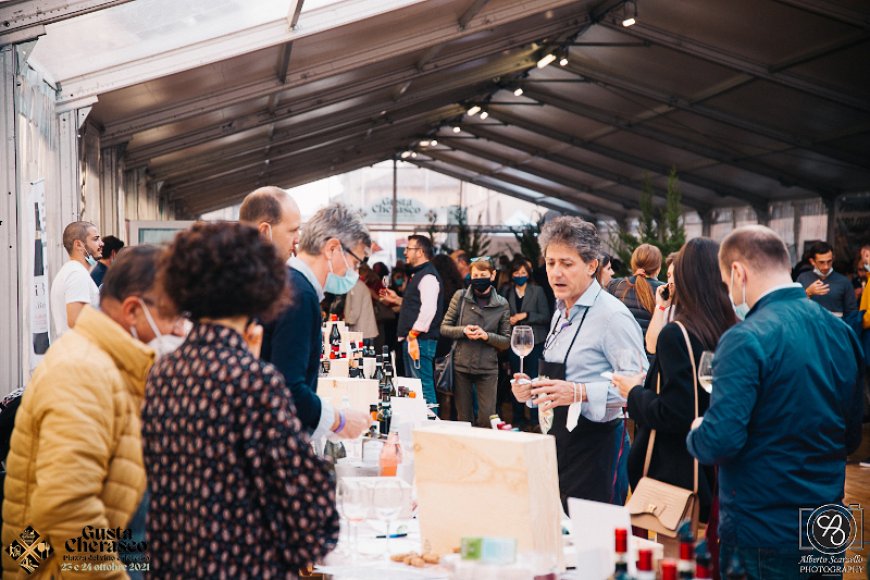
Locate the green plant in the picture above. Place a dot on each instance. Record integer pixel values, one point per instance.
(527, 238)
(470, 238)
(663, 228)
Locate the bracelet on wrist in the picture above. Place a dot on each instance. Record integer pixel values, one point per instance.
(342, 421)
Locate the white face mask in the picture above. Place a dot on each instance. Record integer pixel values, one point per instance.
(818, 273)
(162, 344)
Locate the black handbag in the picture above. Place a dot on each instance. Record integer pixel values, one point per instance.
(444, 364)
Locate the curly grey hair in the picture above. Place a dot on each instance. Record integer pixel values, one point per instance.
(573, 232)
(336, 220)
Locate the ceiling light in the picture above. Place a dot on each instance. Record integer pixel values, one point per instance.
(484, 115)
(457, 129)
(424, 143)
(518, 92)
(629, 14)
(546, 60)
(433, 143)
(564, 61)
(414, 154)
(406, 154)
(473, 110)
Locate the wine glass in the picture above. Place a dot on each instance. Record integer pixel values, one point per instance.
(705, 371)
(354, 499)
(522, 342)
(388, 498)
(627, 361)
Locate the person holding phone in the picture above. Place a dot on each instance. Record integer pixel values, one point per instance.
(664, 311)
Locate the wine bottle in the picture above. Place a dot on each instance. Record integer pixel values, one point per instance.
(334, 334)
(686, 562)
(39, 314)
(645, 569)
(621, 548)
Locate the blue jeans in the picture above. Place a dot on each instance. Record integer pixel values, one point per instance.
(137, 527)
(426, 372)
(770, 564)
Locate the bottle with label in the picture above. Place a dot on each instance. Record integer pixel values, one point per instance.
(378, 373)
(390, 385)
(39, 313)
(669, 570)
(334, 334)
(686, 562)
(391, 456)
(385, 416)
(620, 552)
(702, 560)
(645, 570)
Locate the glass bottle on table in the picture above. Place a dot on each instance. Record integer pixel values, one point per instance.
(391, 456)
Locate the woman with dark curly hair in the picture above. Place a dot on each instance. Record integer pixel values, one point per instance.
(230, 468)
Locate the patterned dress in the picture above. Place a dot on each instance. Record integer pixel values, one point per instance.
(236, 490)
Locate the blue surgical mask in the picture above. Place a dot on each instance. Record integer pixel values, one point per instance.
(90, 260)
(742, 309)
(521, 280)
(336, 284)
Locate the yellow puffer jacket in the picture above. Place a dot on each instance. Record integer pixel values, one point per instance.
(75, 458)
(865, 303)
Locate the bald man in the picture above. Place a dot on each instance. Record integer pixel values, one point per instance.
(73, 287)
(275, 214)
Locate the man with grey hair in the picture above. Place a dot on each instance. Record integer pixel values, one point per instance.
(591, 333)
(73, 287)
(333, 245)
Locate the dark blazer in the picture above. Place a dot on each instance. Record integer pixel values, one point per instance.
(671, 414)
(292, 343)
(535, 303)
(476, 356)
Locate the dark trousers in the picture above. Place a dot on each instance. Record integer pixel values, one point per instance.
(486, 386)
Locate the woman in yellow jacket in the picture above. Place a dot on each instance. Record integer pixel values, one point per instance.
(74, 469)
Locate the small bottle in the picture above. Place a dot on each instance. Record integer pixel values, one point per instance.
(645, 570)
(669, 570)
(620, 552)
(379, 369)
(385, 416)
(686, 562)
(391, 456)
(702, 561)
(494, 421)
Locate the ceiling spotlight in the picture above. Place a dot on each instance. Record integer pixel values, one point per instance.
(629, 15)
(457, 129)
(473, 110)
(414, 154)
(518, 92)
(424, 143)
(546, 60)
(433, 143)
(484, 115)
(564, 61)
(406, 154)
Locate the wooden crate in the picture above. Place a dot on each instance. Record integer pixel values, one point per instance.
(482, 482)
(360, 392)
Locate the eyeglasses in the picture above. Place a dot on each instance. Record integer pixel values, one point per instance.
(409, 248)
(359, 261)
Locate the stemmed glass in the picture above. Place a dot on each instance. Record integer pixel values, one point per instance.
(388, 499)
(353, 499)
(705, 371)
(522, 342)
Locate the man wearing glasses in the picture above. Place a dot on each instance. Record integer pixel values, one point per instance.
(331, 249)
(420, 313)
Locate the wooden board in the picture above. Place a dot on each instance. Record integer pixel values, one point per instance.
(482, 482)
(360, 392)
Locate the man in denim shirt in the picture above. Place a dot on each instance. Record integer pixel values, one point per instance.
(785, 410)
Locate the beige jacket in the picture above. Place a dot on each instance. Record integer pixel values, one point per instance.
(75, 457)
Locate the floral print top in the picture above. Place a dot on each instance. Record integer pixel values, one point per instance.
(236, 489)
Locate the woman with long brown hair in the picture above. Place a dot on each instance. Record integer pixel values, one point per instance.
(666, 402)
(638, 291)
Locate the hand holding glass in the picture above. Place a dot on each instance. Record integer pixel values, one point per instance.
(522, 342)
(705, 371)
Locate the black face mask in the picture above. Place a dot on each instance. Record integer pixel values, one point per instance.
(481, 285)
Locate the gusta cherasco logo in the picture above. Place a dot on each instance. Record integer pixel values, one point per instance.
(29, 550)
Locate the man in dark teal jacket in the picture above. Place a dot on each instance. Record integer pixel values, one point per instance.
(785, 410)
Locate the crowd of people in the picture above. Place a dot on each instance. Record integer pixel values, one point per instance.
(180, 399)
